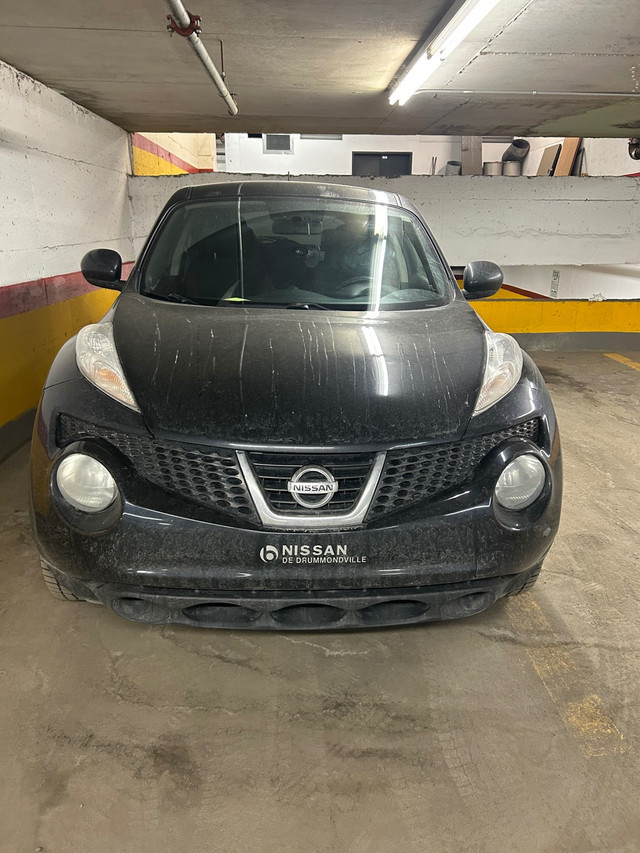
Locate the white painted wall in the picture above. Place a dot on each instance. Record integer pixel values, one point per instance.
(515, 222)
(616, 281)
(603, 157)
(63, 182)
(608, 157)
(492, 151)
(333, 156)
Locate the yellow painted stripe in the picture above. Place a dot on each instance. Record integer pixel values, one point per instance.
(30, 341)
(582, 710)
(146, 163)
(508, 294)
(570, 315)
(623, 360)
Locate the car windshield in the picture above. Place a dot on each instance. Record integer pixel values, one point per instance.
(295, 253)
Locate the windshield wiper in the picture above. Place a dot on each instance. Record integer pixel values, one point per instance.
(305, 306)
(170, 297)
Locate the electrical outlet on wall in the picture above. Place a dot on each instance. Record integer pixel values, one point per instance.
(555, 282)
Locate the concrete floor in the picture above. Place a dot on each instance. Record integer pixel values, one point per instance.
(516, 730)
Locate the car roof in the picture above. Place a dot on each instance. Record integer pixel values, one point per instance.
(302, 189)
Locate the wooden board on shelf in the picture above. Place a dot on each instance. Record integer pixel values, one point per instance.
(570, 147)
(471, 155)
(549, 159)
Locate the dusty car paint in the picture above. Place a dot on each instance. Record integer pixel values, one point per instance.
(313, 377)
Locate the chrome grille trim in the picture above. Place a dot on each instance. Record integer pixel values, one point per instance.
(274, 470)
(270, 518)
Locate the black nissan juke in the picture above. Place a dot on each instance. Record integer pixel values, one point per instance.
(292, 419)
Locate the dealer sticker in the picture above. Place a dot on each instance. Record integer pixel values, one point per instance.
(309, 554)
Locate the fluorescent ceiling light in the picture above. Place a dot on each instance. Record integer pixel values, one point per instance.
(445, 40)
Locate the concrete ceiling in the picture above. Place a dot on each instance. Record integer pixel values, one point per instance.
(326, 65)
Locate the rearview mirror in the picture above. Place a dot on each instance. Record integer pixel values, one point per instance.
(296, 224)
(481, 279)
(102, 268)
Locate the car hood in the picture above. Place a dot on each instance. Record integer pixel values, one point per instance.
(300, 377)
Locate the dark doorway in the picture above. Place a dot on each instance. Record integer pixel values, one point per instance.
(372, 165)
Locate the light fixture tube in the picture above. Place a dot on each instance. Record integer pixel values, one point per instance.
(444, 41)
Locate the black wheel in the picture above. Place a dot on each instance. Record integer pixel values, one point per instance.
(527, 584)
(56, 589)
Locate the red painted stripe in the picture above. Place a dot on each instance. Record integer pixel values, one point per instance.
(633, 175)
(140, 141)
(529, 293)
(30, 295)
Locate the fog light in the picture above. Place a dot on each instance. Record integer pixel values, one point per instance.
(85, 483)
(521, 482)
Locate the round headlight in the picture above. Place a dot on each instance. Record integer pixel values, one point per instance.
(85, 483)
(521, 482)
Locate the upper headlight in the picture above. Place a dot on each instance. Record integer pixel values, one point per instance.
(98, 360)
(502, 370)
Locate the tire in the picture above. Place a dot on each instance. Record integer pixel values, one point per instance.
(526, 586)
(56, 589)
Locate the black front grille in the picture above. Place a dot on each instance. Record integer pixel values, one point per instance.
(211, 476)
(416, 474)
(274, 470)
(207, 475)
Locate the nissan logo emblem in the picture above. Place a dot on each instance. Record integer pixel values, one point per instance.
(312, 486)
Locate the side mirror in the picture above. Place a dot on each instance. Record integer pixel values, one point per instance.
(481, 279)
(102, 268)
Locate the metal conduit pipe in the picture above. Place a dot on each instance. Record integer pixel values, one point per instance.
(185, 21)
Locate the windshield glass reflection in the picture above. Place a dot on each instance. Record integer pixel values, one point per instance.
(295, 253)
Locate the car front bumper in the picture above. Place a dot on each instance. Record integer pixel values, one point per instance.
(451, 558)
(163, 549)
(299, 610)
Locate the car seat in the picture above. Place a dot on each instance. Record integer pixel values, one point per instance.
(212, 265)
